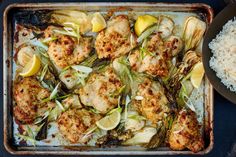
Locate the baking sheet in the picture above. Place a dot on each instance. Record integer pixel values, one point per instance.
(177, 11)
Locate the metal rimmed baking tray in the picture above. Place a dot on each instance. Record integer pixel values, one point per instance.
(202, 10)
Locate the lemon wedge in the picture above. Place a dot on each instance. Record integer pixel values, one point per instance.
(98, 22)
(143, 22)
(32, 67)
(197, 74)
(109, 122)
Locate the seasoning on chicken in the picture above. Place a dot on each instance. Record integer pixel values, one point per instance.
(66, 50)
(154, 104)
(27, 94)
(150, 59)
(74, 123)
(173, 45)
(185, 132)
(116, 40)
(101, 91)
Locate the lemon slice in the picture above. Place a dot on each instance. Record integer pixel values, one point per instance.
(144, 22)
(98, 22)
(197, 74)
(32, 67)
(109, 122)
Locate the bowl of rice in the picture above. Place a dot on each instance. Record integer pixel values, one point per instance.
(219, 53)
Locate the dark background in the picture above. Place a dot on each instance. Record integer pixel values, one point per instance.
(224, 111)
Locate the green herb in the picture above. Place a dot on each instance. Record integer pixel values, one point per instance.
(60, 105)
(30, 135)
(54, 92)
(68, 31)
(63, 97)
(119, 108)
(146, 33)
(117, 92)
(90, 60)
(40, 119)
(27, 138)
(49, 39)
(44, 71)
(137, 117)
(144, 52)
(127, 101)
(82, 68)
(94, 110)
(54, 113)
(38, 43)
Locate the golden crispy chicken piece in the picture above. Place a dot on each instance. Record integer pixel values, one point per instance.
(152, 59)
(101, 91)
(27, 94)
(66, 50)
(173, 45)
(185, 132)
(154, 104)
(116, 40)
(74, 123)
(50, 33)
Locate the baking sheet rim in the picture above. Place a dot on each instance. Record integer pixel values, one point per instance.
(9, 147)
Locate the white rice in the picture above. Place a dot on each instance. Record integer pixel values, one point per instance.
(223, 61)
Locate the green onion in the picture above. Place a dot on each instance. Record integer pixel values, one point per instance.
(117, 92)
(94, 110)
(54, 92)
(38, 43)
(49, 39)
(45, 85)
(44, 71)
(45, 115)
(54, 114)
(29, 131)
(119, 108)
(73, 34)
(60, 105)
(146, 33)
(81, 68)
(65, 69)
(68, 31)
(90, 60)
(90, 130)
(27, 138)
(64, 96)
(137, 117)
(127, 101)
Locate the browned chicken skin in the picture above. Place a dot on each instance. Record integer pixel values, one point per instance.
(73, 124)
(27, 94)
(185, 132)
(66, 50)
(154, 59)
(100, 91)
(116, 40)
(154, 105)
